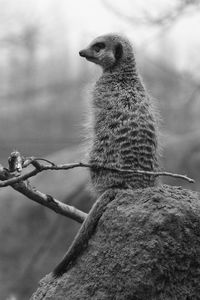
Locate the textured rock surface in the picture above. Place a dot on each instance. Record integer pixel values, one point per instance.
(146, 246)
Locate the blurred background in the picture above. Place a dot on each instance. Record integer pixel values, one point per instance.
(43, 86)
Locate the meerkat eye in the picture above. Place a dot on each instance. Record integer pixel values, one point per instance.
(98, 46)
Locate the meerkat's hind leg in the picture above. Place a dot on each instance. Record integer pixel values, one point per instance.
(85, 232)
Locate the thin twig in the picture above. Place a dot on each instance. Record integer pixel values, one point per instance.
(41, 167)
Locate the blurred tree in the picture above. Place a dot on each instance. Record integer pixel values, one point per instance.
(23, 47)
(158, 16)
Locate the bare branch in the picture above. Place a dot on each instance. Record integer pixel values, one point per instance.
(49, 238)
(39, 197)
(17, 181)
(50, 202)
(15, 162)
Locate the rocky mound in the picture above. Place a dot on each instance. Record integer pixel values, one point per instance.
(146, 246)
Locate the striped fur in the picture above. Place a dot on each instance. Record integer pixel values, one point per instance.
(124, 128)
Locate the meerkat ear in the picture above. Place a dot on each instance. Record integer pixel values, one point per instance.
(118, 51)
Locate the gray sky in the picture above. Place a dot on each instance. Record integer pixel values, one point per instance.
(76, 22)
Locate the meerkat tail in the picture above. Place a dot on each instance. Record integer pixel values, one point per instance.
(85, 232)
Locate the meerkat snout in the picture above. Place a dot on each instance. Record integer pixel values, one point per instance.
(82, 53)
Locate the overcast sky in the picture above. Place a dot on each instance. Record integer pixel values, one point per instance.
(76, 22)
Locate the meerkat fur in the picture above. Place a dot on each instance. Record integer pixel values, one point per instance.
(123, 130)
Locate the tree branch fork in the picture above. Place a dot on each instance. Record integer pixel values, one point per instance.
(15, 177)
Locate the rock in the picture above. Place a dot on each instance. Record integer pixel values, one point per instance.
(146, 246)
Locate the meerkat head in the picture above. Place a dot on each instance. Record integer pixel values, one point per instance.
(108, 51)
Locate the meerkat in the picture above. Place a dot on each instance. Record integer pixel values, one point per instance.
(124, 132)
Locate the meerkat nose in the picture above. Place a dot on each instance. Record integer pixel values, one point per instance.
(82, 53)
